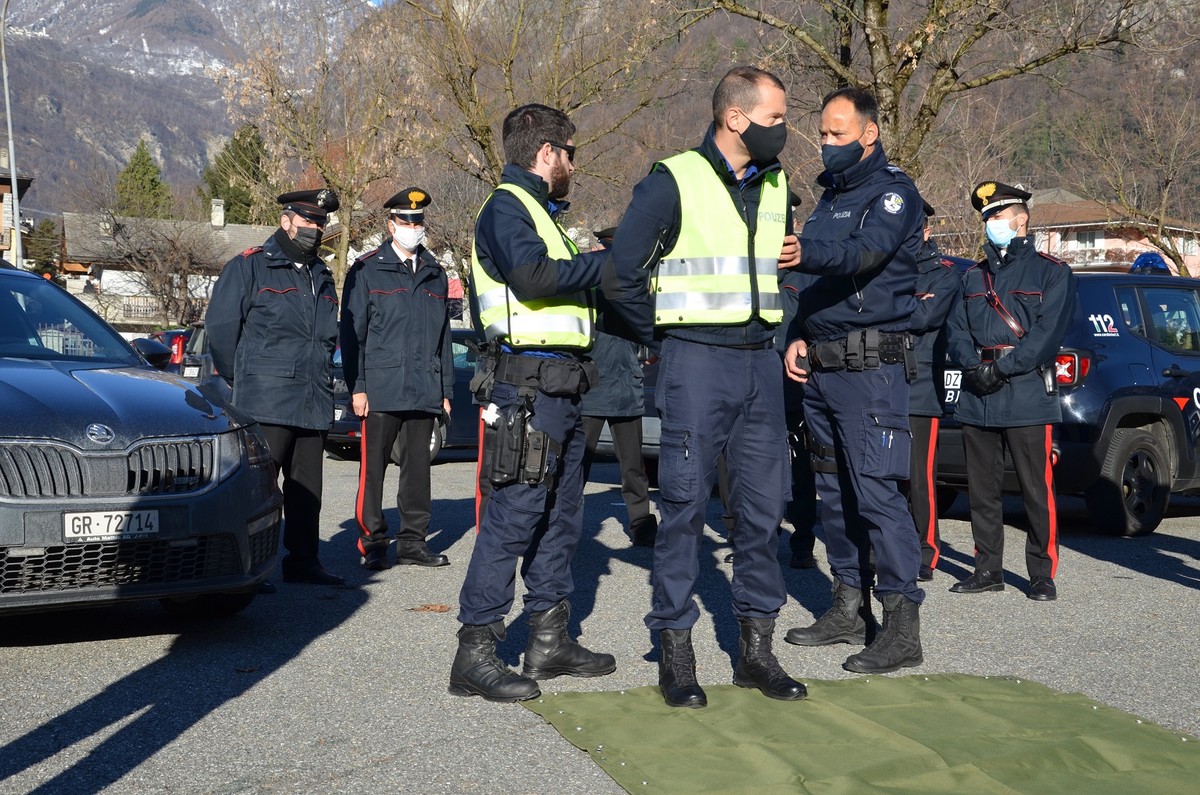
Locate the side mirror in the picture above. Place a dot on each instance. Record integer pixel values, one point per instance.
(154, 352)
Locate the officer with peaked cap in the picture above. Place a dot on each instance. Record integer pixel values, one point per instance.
(397, 358)
(1006, 333)
(272, 330)
(939, 289)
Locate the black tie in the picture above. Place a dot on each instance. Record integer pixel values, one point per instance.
(409, 263)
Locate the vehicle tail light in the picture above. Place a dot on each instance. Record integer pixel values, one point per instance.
(1070, 368)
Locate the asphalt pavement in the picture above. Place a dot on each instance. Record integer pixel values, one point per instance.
(325, 690)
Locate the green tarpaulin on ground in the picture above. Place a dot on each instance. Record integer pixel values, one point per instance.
(925, 735)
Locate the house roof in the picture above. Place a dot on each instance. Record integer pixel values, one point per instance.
(1060, 208)
(90, 236)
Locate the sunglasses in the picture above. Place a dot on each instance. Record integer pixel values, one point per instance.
(570, 150)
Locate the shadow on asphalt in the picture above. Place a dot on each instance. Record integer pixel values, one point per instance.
(208, 664)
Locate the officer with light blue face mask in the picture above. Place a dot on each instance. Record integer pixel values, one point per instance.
(1005, 333)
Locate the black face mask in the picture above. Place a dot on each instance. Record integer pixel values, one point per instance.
(307, 239)
(839, 158)
(764, 143)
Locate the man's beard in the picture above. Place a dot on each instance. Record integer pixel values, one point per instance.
(560, 182)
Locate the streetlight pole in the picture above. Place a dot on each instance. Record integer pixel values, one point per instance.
(12, 152)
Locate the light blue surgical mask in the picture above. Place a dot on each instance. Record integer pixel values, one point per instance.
(999, 232)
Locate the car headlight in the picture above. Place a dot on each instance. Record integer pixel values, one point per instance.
(246, 443)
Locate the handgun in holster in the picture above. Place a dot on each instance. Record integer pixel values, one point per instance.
(504, 443)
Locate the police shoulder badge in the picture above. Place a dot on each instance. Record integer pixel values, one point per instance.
(893, 203)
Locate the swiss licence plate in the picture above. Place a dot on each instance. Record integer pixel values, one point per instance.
(109, 525)
(191, 372)
(952, 381)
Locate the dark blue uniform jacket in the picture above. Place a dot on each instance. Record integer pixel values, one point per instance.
(620, 392)
(272, 328)
(1039, 292)
(650, 228)
(511, 251)
(395, 332)
(864, 239)
(939, 290)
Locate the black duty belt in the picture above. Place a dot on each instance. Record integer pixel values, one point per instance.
(994, 352)
(864, 349)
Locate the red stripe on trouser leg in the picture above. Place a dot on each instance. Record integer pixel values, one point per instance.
(931, 534)
(1051, 505)
(479, 471)
(364, 532)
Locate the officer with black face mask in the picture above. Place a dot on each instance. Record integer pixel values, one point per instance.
(695, 267)
(272, 327)
(862, 241)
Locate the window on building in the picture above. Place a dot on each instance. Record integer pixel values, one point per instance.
(1086, 239)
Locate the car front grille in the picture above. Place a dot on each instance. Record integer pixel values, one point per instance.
(116, 563)
(264, 545)
(178, 466)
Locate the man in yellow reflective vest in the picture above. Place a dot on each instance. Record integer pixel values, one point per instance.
(695, 266)
(532, 296)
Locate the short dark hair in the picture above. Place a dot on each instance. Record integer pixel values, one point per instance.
(530, 126)
(863, 101)
(739, 89)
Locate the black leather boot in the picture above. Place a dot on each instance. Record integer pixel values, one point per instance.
(551, 652)
(643, 532)
(477, 671)
(898, 645)
(848, 621)
(757, 666)
(677, 670)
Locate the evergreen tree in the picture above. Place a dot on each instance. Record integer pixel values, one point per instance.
(237, 175)
(42, 246)
(141, 192)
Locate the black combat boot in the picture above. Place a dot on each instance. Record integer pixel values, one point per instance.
(677, 670)
(757, 666)
(848, 621)
(551, 652)
(898, 644)
(477, 671)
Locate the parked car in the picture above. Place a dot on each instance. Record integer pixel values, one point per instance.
(197, 361)
(461, 431)
(119, 482)
(1129, 382)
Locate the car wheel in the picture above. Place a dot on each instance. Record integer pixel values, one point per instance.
(210, 605)
(946, 497)
(1130, 498)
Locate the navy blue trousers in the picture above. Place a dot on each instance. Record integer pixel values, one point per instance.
(863, 417)
(713, 399)
(535, 523)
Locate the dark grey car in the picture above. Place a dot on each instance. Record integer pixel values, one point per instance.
(119, 482)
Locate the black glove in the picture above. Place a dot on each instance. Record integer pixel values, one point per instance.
(985, 379)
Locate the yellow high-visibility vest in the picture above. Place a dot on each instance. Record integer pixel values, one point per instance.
(715, 275)
(564, 321)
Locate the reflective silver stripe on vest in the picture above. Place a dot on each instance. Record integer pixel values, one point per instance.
(493, 298)
(675, 302)
(704, 266)
(516, 328)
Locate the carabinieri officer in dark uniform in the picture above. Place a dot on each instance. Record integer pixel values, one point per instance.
(532, 294)
(272, 328)
(399, 367)
(1006, 333)
(863, 241)
(939, 289)
(710, 223)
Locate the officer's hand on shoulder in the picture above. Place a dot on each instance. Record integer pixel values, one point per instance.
(789, 256)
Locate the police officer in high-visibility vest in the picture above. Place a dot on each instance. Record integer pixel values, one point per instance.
(532, 294)
(711, 223)
(863, 241)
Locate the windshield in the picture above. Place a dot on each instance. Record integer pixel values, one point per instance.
(38, 320)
